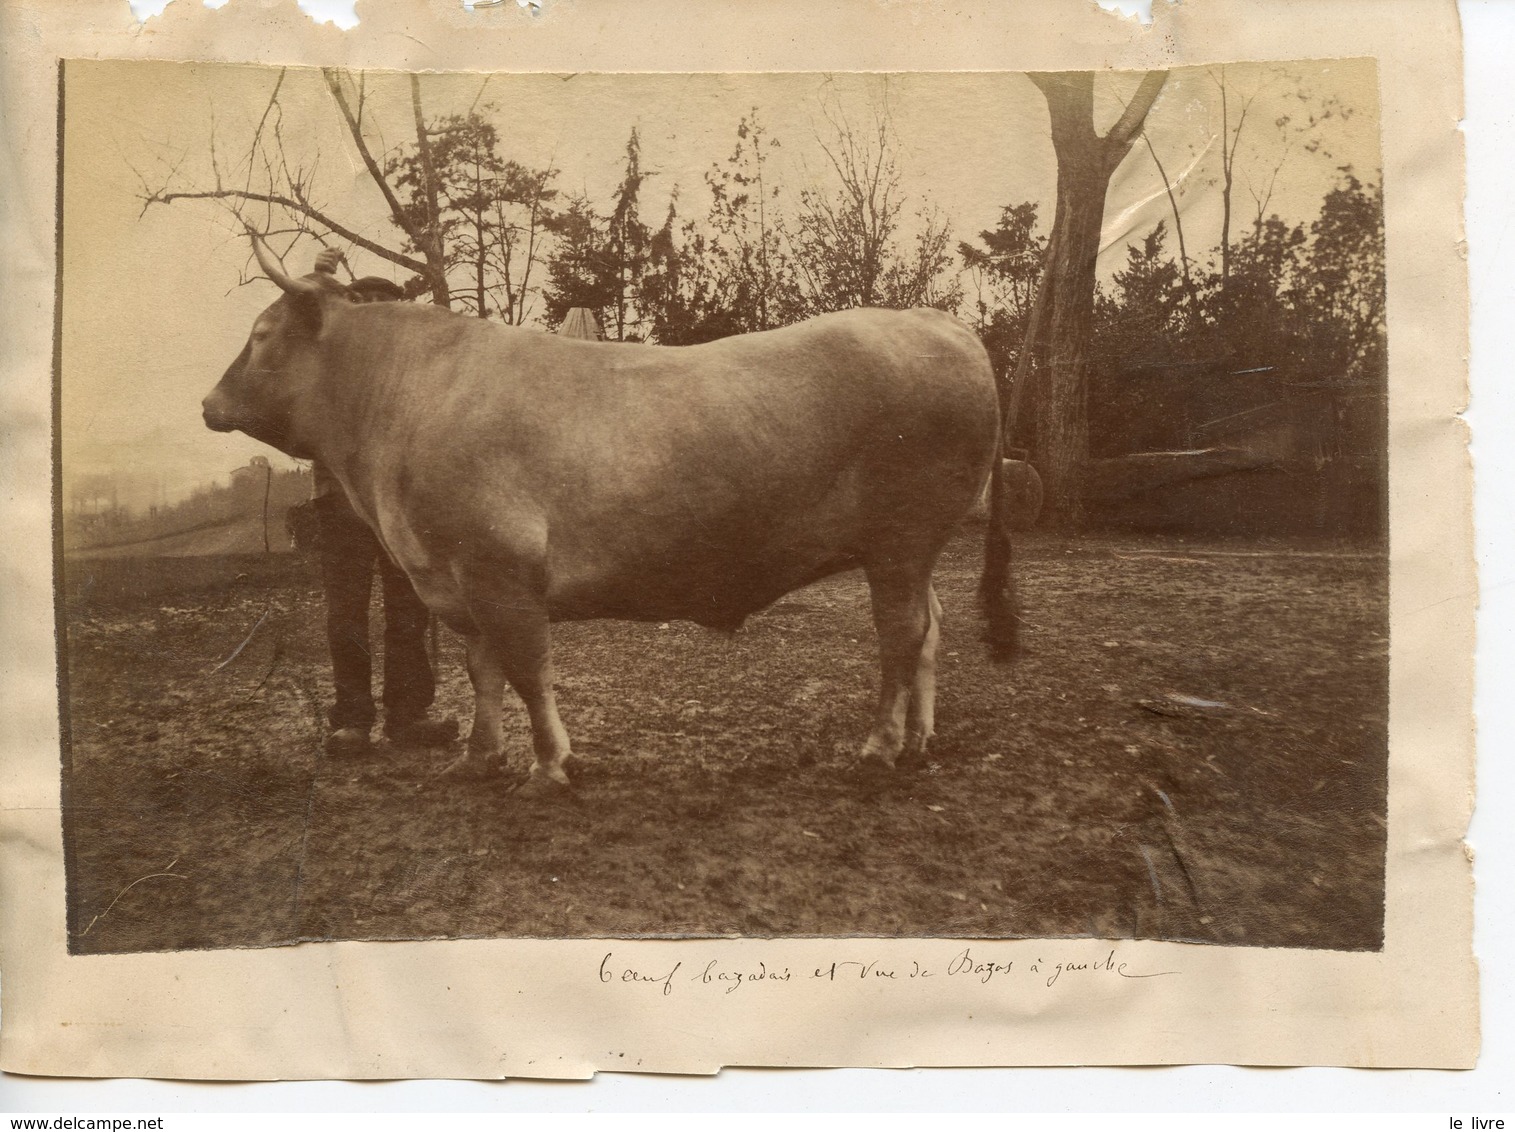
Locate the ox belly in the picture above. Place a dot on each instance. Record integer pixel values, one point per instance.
(715, 574)
(672, 562)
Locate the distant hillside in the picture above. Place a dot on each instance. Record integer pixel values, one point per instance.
(241, 534)
(217, 519)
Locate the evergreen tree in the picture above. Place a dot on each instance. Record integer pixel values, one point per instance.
(601, 260)
(491, 213)
(1005, 271)
(628, 244)
(579, 268)
(755, 286)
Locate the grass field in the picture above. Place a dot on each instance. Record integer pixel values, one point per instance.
(1193, 748)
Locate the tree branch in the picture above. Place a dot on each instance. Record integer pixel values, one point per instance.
(1122, 135)
(273, 102)
(334, 84)
(302, 209)
(1178, 222)
(428, 174)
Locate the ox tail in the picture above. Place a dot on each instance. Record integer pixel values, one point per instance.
(996, 589)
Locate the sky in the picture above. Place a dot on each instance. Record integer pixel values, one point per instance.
(156, 303)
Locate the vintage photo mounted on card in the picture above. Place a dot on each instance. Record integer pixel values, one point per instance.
(583, 560)
(1153, 600)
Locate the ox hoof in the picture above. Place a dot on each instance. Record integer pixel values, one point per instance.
(546, 786)
(470, 767)
(913, 754)
(875, 766)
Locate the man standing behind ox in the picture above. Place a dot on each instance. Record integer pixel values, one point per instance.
(349, 553)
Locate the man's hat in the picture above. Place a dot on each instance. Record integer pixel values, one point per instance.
(375, 289)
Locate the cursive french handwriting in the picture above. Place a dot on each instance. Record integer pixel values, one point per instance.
(961, 966)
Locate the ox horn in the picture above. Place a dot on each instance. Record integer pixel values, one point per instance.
(273, 271)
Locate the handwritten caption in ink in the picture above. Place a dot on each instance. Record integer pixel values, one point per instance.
(729, 977)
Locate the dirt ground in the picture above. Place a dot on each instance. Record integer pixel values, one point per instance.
(1193, 748)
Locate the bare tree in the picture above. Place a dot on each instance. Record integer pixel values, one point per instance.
(1229, 140)
(846, 245)
(523, 211)
(1063, 314)
(271, 191)
(1178, 223)
(1299, 125)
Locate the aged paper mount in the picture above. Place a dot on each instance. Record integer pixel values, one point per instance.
(569, 1007)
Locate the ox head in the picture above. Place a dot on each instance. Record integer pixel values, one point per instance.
(263, 390)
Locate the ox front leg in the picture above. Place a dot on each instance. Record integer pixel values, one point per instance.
(520, 655)
(902, 615)
(486, 673)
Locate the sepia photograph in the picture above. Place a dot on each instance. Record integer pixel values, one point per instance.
(722, 505)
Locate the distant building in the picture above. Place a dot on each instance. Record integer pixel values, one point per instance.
(254, 474)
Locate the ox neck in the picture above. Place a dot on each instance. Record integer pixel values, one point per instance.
(370, 358)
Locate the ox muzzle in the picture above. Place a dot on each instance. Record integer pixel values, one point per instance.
(219, 408)
(219, 414)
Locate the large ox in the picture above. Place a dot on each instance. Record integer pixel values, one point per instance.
(520, 478)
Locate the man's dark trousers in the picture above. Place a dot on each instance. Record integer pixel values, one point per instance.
(349, 553)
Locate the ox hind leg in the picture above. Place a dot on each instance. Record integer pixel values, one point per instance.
(920, 718)
(907, 617)
(527, 655)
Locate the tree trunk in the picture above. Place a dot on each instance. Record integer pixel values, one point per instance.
(1063, 433)
(1226, 151)
(1085, 162)
(431, 241)
(1229, 140)
(1178, 226)
(478, 264)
